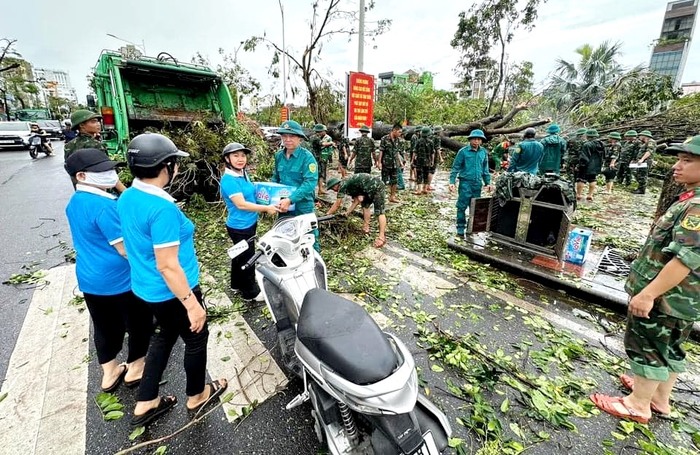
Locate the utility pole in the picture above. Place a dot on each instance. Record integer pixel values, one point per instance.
(361, 39)
(284, 60)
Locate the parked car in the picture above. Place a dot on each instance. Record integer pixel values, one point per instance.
(52, 127)
(14, 134)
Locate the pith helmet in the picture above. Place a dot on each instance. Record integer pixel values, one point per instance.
(333, 181)
(581, 131)
(82, 116)
(646, 133)
(425, 131)
(691, 146)
(364, 129)
(631, 133)
(592, 132)
(477, 134)
(615, 135)
(553, 129)
(236, 147)
(319, 127)
(291, 127)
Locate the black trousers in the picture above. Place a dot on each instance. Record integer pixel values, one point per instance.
(115, 315)
(173, 323)
(243, 280)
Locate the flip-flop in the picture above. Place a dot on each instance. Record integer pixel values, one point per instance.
(380, 242)
(132, 384)
(216, 390)
(606, 404)
(627, 382)
(164, 405)
(117, 381)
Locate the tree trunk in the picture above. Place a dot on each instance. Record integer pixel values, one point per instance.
(669, 191)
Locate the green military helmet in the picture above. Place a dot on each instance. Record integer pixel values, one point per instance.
(615, 135)
(319, 127)
(82, 116)
(437, 129)
(553, 129)
(592, 132)
(646, 133)
(364, 129)
(631, 133)
(425, 131)
(692, 146)
(333, 181)
(581, 131)
(291, 127)
(477, 134)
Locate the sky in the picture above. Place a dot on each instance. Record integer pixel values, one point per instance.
(70, 35)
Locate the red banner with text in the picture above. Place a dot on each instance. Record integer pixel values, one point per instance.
(360, 101)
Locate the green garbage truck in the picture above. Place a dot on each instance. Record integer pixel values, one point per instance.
(135, 92)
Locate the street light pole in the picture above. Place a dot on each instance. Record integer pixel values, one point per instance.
(361, 39)
(284, 60)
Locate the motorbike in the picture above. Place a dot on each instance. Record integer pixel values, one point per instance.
(37, 145)
(361, 382)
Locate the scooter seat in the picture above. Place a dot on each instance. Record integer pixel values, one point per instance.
(343, 336)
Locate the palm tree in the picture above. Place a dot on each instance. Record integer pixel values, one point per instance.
(585, 82)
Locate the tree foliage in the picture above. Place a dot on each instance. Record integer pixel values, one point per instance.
(329, 19)
(426, 107)
(487, 25)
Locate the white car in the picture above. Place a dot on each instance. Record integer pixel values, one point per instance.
(14, 134)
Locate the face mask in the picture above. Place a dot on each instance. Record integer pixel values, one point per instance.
(108, 179)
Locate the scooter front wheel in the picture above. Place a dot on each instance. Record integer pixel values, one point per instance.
(33, 152)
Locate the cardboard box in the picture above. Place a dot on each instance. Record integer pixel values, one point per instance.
(577, 245)
(268, 193)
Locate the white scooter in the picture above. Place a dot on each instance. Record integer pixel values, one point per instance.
(361, 382)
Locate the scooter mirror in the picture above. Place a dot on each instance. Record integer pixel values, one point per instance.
(237, 249)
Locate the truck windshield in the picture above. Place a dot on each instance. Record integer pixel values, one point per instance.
(13, 126)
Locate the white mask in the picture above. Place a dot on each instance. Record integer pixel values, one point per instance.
(107, 179)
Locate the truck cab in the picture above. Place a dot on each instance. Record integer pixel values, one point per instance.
(135, 92)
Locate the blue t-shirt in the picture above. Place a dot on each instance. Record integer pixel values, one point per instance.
(150, 220)
(232, 184)
(94, 226)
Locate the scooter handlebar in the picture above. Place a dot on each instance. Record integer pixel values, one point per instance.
(252, 260)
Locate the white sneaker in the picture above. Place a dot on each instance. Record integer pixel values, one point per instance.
(258, 298)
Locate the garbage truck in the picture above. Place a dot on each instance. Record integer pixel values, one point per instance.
(135, 92)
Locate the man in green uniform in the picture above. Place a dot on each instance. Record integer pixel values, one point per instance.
(471, 166)
(573, 147)
(296, 166)
(437, 155)
(343, 147)
(390, 159)
(366, 190)
(363, 153)
(322, 148)
(400, 184)
(88, 126)
(590, 163)
(628, 153)
(554, 151)
(414, 138)
(647, 147)
(612, 155)
(526, 156)
(664, 286)
(423, 160)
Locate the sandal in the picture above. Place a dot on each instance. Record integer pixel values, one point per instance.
(606, 404)
(117, 381)
(628, 383)
(365, 230)
(216, 388)
(380, 242)
(164, 405)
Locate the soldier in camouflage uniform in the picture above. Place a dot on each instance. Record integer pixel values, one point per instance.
(363, 152)
(437, 155)
(423, 160)
(612, 156)
(647, 148)
(573, 148)
(390, 159)
(343, 147)
(664, 285)
(628, 153)
(414, 138)
(88, 126)
(366, 190)
(400, 184)
(322, 149)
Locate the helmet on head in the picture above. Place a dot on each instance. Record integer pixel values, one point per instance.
(425, 131)
(67, 122)
(631, 133)
(364, 129)
(592, 132)
(291, 127)
(151, 149)
(89, 160)
(692, 146)
(32, 124)
(333, 181)
(319, 127)
(614, 135)
(581, 131)
(477, 134)
(530, 132)
(235, 147)
(553, 129)
(646, 133)
(82, 116)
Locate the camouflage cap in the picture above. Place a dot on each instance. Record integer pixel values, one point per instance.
(614, 135)
(692, 146)
(581, 131)
(631, 133)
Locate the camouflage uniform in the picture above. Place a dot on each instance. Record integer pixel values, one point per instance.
(628, 153)
(322, 154)
(370, 187)
(83, 141)
(437, 144)
(573, 148)
(642, 173)
(654, 344)
(390, 149)
(424, 158)
(612, 152)
(364, 154)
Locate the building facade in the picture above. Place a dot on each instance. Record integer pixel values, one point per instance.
(411, 80)
(55, 83)
(671, 49)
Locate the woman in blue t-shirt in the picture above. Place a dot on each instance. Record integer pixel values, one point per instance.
(103, 271)
(238, 192)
